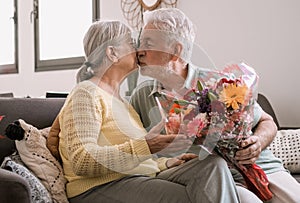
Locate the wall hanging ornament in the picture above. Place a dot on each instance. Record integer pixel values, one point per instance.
(133, 9)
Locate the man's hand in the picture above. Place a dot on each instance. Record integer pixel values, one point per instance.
(176, 161)
(264, 134)
(251, 149)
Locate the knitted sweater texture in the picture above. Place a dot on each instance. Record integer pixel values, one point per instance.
(101, 140)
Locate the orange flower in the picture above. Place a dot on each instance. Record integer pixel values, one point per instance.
(174, 108)
(233, 95)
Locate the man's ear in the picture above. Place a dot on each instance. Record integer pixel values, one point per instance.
(177, 51)
(111, 54)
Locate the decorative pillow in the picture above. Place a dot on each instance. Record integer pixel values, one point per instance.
(16, 158)
(37, 157)
(286, 147)
(53, 139)
(39, 193)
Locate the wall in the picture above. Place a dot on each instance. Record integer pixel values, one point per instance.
(264, 34)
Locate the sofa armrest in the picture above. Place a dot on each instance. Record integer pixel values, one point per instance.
(13, 189)
(263, 101)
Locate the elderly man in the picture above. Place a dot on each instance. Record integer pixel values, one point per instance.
(165, 51)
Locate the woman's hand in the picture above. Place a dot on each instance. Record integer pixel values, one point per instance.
(176, 161)
(166, 144)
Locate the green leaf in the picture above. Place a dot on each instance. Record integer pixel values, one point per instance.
(199, 85)
(177, 110)
(212, 96)
(181, 102)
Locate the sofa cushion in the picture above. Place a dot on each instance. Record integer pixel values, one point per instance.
(53, 139)
(37, 157)
(286, 147)
(39, 111)
(7, 146)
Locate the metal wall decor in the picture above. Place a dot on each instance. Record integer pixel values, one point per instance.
(133, 9)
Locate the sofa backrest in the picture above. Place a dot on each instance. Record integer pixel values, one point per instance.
(39, 112)
(265, 104)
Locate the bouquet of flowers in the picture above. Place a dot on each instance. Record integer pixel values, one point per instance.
(219, 115)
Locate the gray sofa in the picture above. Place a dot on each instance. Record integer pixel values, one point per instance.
(39, 112)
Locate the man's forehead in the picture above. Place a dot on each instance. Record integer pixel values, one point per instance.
(154, 34)
(149, 26)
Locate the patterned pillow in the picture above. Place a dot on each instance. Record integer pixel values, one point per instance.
(39, 193)
(286, 146)
(16, 158)
(37, 157)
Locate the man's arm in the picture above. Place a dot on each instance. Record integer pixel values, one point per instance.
(264, 133)
(266, 130)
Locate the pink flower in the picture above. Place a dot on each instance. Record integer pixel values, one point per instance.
(195, 126)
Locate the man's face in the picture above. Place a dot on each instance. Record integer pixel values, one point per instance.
(154, 53)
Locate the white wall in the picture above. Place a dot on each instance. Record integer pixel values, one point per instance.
(27, 82)
(264, 34)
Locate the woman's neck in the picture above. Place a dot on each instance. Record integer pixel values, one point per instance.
(108, 84)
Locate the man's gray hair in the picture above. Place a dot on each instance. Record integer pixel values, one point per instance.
(174, 21)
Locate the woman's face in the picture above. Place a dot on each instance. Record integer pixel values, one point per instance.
(127, 58)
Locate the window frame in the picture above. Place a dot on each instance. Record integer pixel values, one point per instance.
(60, 63)
(13, 68)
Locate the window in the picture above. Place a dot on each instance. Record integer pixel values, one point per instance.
(59, 29)
(8, 39)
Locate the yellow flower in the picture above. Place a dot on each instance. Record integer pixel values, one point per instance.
(233, 95)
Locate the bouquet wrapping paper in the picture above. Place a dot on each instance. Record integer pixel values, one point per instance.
(218, 114)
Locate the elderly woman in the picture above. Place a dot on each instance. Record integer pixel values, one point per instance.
(107, 155)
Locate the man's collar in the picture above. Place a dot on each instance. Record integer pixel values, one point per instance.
(157, 87)
(193, 73)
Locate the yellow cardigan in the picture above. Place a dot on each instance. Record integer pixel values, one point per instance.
(101, 140)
